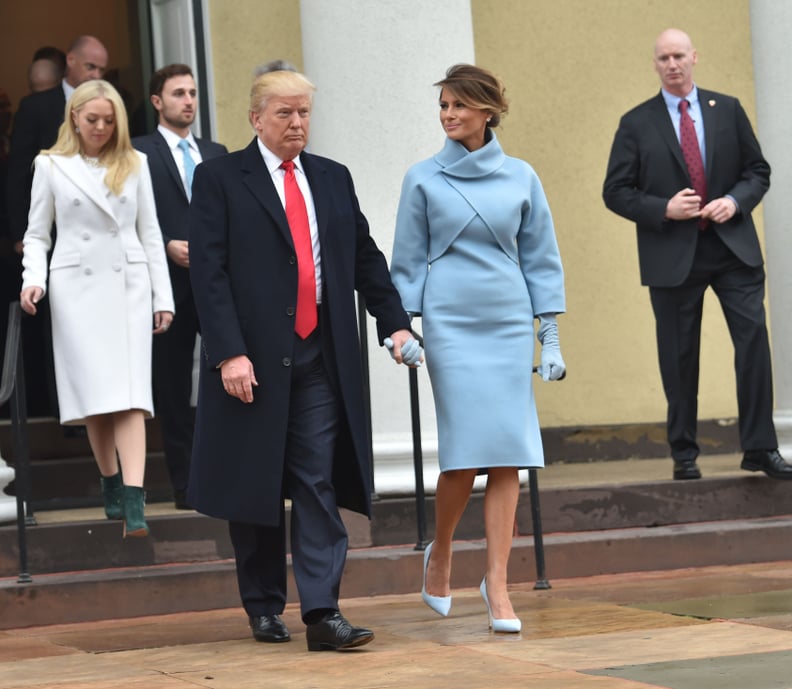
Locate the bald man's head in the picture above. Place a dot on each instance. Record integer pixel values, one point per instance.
(86, 59)
(674, 58)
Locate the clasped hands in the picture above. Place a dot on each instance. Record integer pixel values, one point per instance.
(684, 205)
(239, 378)
(404, 348)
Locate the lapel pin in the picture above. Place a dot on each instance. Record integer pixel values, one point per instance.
(711, 103)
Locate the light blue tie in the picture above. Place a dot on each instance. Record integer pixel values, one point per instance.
(189, 166)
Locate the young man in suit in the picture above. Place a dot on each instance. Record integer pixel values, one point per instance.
(173, 152)
(278, 247)
(686, 167)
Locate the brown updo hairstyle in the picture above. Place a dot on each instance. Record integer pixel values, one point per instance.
(477, 88)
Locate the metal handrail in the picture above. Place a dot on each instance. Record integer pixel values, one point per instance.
(420, 495)
(13, 388)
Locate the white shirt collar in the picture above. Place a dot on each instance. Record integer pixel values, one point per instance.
(272, 161)
(68, 89)
(173, 139)
(672, 101)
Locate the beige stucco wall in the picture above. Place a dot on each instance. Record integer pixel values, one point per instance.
(244, 34)
(571, 68)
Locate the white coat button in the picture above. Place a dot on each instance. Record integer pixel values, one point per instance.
(122, 199)
(88, 271)
(116, 267)
(86, 235)
(76, 202)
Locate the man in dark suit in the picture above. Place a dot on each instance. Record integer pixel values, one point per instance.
(173, 152)
(281, 412)
(686, 167)
(37, 121)
(36, 125)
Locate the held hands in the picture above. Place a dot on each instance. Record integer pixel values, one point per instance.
(239, 378)
(29, 297)
(552, 366)
(404, 348)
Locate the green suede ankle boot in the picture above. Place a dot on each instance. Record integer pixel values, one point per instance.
(134, 521)
(112, 492)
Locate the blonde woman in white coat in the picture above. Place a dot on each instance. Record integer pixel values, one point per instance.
(108, 287)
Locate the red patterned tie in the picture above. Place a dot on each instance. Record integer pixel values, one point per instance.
(692, 154)
(305, 322)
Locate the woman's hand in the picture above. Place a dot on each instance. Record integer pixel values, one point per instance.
(29, 297)
(162, 321)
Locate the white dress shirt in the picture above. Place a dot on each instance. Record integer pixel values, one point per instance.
(173, 139)
(273, 164)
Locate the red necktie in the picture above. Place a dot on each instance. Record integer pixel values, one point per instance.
(305, 321)
(692, 154)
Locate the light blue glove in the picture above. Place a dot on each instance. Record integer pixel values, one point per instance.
(552, 366)
(411, 351)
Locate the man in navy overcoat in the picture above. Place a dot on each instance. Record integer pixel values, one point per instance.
(282, 415)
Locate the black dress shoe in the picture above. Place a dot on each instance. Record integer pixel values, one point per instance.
(334, 633)
(180, 500)
(269, 628)
(686, 469)
(769, 461)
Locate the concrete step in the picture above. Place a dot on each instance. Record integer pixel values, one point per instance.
(599, 518)
(168, 588)
(599, 496)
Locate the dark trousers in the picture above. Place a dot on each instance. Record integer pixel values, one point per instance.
(740, 290)
(318, 535)
(172, 368)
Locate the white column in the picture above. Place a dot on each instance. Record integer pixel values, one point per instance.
(8, 510)
(771, 26)
(375, 110)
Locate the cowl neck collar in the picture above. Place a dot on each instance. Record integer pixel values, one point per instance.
(457, 161)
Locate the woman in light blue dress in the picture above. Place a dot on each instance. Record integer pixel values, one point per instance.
(475, 255)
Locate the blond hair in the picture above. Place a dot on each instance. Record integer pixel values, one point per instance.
(117, 155)
(278, 83)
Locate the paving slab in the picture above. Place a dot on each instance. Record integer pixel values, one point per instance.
(628, 631)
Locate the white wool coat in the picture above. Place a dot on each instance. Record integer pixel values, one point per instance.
(107, 276)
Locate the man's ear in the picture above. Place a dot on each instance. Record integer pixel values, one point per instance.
(156, 101)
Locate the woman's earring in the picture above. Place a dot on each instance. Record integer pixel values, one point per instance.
(76, 130)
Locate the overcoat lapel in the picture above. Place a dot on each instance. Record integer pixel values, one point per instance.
(320, 190)
(257, 179)
(75, 170)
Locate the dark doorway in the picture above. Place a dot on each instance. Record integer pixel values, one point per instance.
(123, 27)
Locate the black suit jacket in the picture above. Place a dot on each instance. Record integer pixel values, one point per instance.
(646, 169)
(244, 277)
(36, 124)
(171, 199)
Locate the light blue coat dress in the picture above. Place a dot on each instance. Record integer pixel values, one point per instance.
(475, 254)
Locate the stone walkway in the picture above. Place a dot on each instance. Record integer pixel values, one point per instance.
(716, 627)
